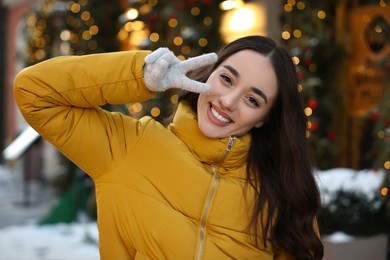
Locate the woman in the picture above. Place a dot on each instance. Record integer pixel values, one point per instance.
(229, 178)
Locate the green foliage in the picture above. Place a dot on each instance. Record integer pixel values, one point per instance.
(195, 20)
(313, 42)
(57, 27)
(195, 26)
(355, 214)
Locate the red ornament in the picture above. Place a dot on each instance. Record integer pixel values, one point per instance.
(207, 2)
(307, 61)
(331, 135)
(314, 126)
(387, 123)
(388, 65)
(312, 103)
(374, 116)
(300, 75)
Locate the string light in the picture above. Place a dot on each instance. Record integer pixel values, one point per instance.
(75, 8)
(230, 4)
(135, 108)
(93, 29)
(321, 14)
(85, 16)
(195, 11)
(308, 111)
(287, 8)
(300, 6)
(207, 21)
(132, 14)
(152, 2)
(155, 111)
(297, 33)
(138, 25)
(286, 35)
(384, 191)
(386, 165)
(172, 22)
(154, 37)
(178, 41)
(291, 2)
(296, 60)
(86, 35)
(202, 42)
(186, 50)
(145, 9)
(174, 99)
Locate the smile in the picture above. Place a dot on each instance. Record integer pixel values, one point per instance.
(219, 117)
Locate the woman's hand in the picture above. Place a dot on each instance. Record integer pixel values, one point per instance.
(163, 70)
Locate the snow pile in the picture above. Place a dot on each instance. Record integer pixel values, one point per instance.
(59, 242)
(367, 182)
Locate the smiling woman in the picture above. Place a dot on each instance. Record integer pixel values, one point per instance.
(230, 177)
(240, 97)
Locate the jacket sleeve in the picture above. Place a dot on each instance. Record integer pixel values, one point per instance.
(61, 98)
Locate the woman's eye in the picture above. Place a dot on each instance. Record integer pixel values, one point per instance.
(226, 79)
(253, 101)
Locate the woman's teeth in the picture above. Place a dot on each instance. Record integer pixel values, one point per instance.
(218, 116)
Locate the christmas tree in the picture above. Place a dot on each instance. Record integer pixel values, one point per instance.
(376, 146)
(188, 28)
(309, 32)
(56, 28)
(59, 27)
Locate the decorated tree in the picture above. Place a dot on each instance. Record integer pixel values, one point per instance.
(60, 27)
(324, 63)
(55, 28)
(376, 145)
(309, 32)
(188, 28)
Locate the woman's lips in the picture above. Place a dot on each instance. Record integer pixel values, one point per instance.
(217, 116)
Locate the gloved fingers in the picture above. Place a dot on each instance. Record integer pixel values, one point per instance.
(154, 75)
(160, 67)
(194, 86)
(170, 58)
(198, 62)
(155, 55)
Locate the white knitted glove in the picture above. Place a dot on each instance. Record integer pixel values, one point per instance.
(163, 70)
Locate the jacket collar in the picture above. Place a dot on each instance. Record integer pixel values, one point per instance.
(207, 150)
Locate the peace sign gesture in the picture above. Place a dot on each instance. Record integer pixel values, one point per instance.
(163, 70)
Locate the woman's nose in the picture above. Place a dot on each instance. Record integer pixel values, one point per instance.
(229, 100)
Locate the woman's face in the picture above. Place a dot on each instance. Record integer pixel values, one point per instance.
(243, 90)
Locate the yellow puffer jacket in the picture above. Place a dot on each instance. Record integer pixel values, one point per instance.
(162, 193)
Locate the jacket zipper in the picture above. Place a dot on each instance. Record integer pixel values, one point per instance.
(211, 195)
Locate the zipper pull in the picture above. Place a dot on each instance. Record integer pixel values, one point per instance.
(230, 144)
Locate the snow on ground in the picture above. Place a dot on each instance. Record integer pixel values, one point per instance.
(54, 242)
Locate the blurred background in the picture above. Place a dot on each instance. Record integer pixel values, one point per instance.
(341, 49)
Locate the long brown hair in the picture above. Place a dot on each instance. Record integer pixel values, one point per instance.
(278, 163)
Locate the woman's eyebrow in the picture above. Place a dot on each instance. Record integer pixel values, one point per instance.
(232, 70)
(254, 89)
(260, 93)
